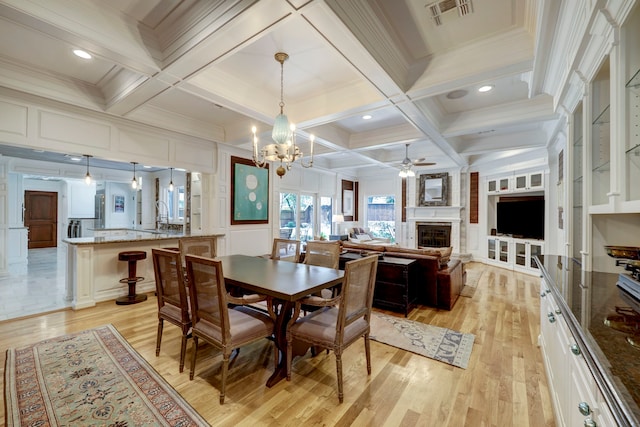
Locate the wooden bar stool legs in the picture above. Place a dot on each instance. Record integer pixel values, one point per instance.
(132, 258)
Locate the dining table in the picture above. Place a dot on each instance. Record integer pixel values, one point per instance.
(285, 282)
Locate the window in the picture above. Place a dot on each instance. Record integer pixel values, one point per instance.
(326, 209)
(175, 203)
(298, 218)
(381, 216)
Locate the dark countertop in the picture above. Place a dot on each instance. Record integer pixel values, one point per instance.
(588, 297)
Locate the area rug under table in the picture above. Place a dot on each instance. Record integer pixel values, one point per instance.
(437, 343)
(93, 377)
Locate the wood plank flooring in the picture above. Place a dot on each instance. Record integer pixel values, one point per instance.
(504, 384)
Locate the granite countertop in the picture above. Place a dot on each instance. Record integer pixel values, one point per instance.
(134, 235)
(589, 297)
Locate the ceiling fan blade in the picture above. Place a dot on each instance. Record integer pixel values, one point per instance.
(424, 164)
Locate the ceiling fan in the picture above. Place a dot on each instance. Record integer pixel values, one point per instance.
(407, 163)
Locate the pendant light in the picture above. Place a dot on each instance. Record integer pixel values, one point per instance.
(87, 177)
(171, 181)
(134, 181)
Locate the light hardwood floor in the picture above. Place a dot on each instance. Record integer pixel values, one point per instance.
(504, 384)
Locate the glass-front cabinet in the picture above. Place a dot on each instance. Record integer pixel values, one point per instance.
(577, 183)
(525, 253)
(601, 136)
(632, 153)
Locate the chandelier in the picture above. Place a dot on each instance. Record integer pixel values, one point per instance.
(283, 148)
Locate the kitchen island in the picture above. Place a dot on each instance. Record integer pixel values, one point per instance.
(93, 269)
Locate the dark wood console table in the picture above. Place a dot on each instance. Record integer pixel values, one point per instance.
(394, 279)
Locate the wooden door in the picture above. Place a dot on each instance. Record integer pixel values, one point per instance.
(41, 217)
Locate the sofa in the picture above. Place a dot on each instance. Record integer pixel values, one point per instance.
(441, 278)
(363, 235)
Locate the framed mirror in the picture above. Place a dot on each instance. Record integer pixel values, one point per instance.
(433, 189)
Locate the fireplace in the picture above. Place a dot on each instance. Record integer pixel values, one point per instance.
(433, 234)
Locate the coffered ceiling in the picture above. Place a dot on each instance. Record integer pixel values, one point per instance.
(207, 69)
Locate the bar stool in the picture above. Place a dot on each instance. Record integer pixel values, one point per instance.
(132, 258)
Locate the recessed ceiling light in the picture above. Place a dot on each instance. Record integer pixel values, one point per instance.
(74, 159)
(81, 53)
(35, 150)
(485, 88)
(457, 94)
(146, 167)
(366, 117)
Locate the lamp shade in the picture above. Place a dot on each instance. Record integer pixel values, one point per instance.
(338, 218)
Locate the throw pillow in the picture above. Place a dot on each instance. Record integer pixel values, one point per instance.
(363, 237)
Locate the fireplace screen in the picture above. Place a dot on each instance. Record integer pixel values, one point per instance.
(434, 235)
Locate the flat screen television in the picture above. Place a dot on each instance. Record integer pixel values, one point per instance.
(521, 217)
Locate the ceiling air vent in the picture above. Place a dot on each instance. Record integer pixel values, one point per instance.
(439, 8)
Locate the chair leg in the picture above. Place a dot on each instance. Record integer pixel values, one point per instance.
(225, 369)
(339, 374)
(159, 336)
(193, 357)
(367, 352)
(183, 350)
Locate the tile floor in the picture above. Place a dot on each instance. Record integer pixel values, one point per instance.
(39, 289)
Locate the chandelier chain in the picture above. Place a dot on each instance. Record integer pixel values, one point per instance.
(282, 87)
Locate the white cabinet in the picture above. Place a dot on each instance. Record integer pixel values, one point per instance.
(196, 202)
(16, 200)
(529, 182)
(525, 252)
(499, 185)
(19, 249)
(575, 395)
(518, 182)
(498, 251)
(514, 254)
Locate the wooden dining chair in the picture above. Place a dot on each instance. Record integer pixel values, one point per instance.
(323, 254)
(286, 250)
(215, 321)
(173, 304)
(341, 320)
(199, 245)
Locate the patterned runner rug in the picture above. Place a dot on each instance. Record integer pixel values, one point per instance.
(93, 377)
(437, 343)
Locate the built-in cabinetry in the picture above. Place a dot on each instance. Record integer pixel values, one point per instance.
(574, 392)
(18, 235)
(604, 150)
(514, 254)
(196, 202)
(518, 182)
(579, 352)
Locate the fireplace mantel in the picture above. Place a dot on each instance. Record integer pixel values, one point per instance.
(448, 212)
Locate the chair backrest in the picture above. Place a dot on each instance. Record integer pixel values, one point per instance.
(323, 254)
(170, 285)
(286, 250)
(208, 294)
(201, 246)
(357, 292)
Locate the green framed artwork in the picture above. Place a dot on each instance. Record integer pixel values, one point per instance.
(249, 192)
